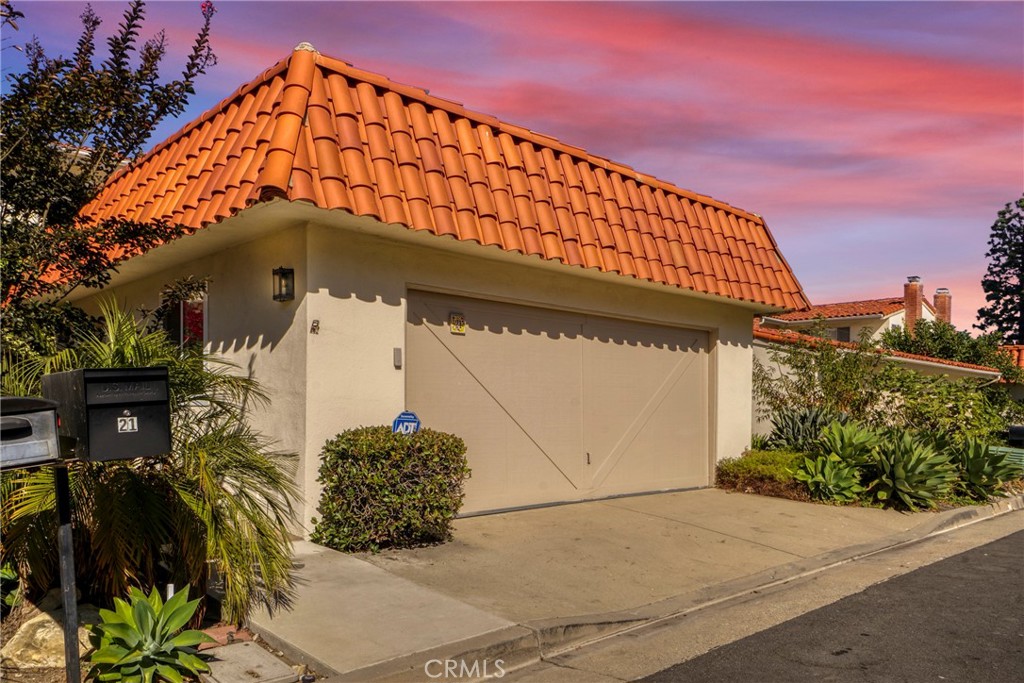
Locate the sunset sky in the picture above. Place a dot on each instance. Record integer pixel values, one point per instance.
(877, 139)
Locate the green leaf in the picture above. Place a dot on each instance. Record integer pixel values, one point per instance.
(170, 673)
(191, 638)
(177, 612)
(194, 663)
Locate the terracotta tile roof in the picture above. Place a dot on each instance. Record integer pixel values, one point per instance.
(315, 129)
(791, 337)
(846, 309)
(849, 309)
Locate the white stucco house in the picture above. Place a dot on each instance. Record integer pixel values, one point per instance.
(846, 321)
(583, 326)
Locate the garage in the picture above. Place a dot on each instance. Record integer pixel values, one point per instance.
(559, 406)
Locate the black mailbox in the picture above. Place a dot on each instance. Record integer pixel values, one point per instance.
(113, 413)
(28, 432)
(1015, 437)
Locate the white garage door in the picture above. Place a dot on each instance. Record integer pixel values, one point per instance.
(557, 406)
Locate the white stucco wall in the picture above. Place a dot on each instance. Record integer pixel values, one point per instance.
(360, 301)
(353, 278)
(263, 338)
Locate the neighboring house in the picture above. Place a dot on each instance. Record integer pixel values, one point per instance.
(584, 327)
(848, 320)
(765, 339)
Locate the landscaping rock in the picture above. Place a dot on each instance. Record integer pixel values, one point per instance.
(39, 643)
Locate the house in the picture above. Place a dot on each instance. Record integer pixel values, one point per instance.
(583, 326)
(848, 320)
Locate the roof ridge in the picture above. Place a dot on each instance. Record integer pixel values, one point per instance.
(858, 301)
(421, 94)
(514, 130)
(315, 129)
(275, 175)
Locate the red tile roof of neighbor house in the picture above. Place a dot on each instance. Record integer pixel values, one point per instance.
(315, 129)
(849, 309)
(791, 337)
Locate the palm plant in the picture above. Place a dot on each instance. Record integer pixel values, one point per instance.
(219, 505)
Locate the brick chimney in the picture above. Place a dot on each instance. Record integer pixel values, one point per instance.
(912, 302)
(943, 305)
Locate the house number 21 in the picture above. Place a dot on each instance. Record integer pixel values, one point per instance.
(127, 424)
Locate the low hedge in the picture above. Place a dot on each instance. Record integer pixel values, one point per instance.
(385, 490)
(766, 472)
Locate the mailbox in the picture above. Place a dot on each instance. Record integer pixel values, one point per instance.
(28, 432)
(113, 413)
(1015, 437)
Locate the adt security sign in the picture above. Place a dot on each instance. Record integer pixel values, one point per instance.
(406, 423)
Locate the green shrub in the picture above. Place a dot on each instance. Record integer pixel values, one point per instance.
(830, 478)
(957, 408)
(140, 641)
(759, 464)
(981, 470)
(10, 589)
(852, 443)
(768, 473)
(760, 442)
(875, 389)
(910, 472)
(389, 490)
(798, 429)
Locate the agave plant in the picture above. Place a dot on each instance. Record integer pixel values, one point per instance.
(798, 429)
(140, 640)
(910, 473)
(981, 470)
(851, 442)
(830, 478)
(221, 502)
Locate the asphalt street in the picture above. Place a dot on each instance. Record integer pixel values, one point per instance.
(959, 619)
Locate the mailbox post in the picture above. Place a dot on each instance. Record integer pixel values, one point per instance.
(28, 438)
(102, 414)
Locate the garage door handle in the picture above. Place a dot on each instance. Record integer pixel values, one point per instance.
(588, 458)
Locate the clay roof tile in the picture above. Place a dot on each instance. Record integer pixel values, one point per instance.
(315, 129)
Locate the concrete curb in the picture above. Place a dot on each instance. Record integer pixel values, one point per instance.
(524, 644)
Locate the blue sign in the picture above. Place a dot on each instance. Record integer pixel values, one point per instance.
(405, 423)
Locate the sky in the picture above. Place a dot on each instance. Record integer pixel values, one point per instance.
(877, 139)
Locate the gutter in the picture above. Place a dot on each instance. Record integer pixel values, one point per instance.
(995, 375)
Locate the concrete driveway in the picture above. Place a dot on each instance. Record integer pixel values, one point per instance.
(619, 554)
(512, 587)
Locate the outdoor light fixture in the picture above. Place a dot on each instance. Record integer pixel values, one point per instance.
(284, 284)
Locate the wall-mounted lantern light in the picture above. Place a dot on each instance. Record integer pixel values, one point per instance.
(284, 284)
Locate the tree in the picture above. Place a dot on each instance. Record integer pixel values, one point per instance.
(1004, 281)
(218, 506)
(66, 124)
(941, 340)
